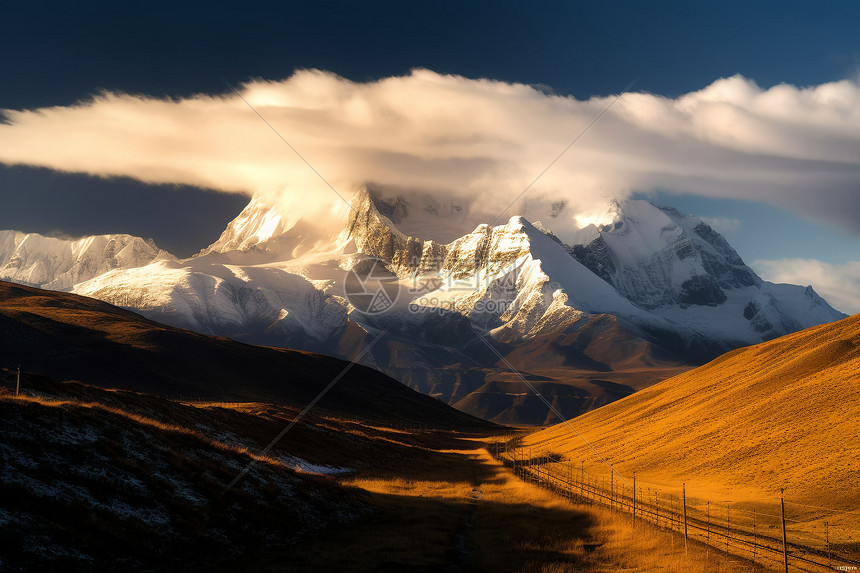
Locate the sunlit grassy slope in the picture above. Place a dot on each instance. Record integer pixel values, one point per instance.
(785, 413)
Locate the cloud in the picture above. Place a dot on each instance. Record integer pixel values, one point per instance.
(839, 284)
(478, 141)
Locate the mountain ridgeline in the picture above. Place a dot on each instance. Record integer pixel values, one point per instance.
(640, 299)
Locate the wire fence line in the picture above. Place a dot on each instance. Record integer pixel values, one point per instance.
(793, 537)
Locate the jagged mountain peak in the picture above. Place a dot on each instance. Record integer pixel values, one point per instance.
(278, 277)
(440, 218)
(657, 256)
(645, 265)
(273, 230)
(260, 221)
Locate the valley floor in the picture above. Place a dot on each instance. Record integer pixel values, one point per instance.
(461, 510)
(95, 480)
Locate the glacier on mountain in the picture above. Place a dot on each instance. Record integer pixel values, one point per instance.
(278, 279)
(59, 264)
(667, 280)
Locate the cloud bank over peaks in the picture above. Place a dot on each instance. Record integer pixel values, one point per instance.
(475, 142)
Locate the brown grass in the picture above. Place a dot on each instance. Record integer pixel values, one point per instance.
(777, 415)
(435, 501)
(473, 514)
(638, 547)
(143, 421)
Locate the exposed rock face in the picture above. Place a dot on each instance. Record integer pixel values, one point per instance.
(375, 235)
(657, 256)
(661, 284)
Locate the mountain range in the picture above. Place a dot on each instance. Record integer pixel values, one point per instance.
(625, 304)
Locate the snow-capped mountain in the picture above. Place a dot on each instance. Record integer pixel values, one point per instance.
(257, 223)
(679, 268)
(673, 289)
(663, 273)
(59, 264)
(657, 256)
(515, 279)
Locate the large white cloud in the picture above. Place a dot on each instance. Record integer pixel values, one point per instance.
(839, 284)
(478, 140)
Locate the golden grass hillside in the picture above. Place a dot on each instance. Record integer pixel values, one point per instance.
(785, 413)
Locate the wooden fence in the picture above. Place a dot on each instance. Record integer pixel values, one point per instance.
(777, 534)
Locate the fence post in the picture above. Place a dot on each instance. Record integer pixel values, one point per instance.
(672, 512)
(18, 382)
(634, 495)
(784, 542)
(684, 501)
(728, 528)
(612, 488)
(582, 480)
(523, 462)
(518, 462)
(570, 480)
(708, 526)
(827, 543)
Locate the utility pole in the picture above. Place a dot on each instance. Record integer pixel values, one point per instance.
(755, 538)
(18, 382)
(684, 500)
(784, 542)
(709, 523)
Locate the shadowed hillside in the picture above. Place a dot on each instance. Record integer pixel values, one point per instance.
(581, 370)
(70, 337)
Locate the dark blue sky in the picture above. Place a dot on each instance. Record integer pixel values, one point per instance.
(59, 53)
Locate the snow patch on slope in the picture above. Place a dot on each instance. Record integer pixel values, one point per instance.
(211, 295)
(59, 264)
(522, 283)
